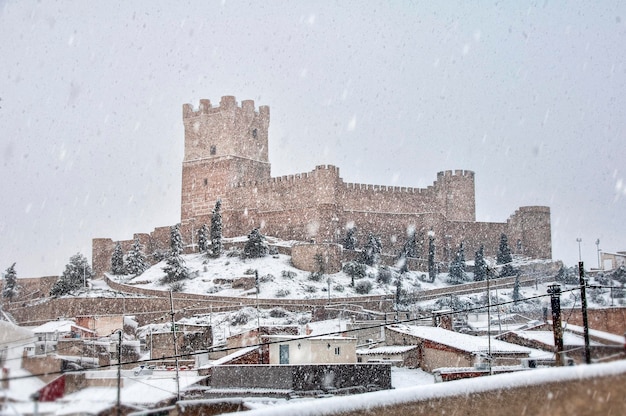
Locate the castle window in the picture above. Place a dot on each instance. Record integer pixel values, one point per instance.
(206, 182)
(254, 133)
(337, 351)
(213, 150)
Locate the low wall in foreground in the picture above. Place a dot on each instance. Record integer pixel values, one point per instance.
(586, 390)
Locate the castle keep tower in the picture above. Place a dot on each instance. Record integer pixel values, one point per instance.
(224, 145)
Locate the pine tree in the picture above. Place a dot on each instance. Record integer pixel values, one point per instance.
(504, 257)
(457, 267)
(480, 265)
(175, 268)
(203, 239)
(216, 230)
(256, 245)
(371, 251)
(75, 276)
(136, 262)
(409, 249)
(117, 260)
(516, 290)
(349, 243)
(10, 289)
(432, 269)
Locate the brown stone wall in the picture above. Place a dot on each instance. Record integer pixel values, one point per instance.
(30, 288)
(529, 232)
(611, 320)
(226, 157)
(47, 367)
(303, 256)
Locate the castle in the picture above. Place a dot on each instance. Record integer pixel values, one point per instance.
(226, 157)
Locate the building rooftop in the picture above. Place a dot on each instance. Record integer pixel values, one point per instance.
(463, 342)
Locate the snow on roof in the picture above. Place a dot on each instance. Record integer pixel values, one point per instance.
(367, 402)
(305, 337)
(463, 342)
(547, 338)
(605, 336)
(58, 326)
(389, 349)
(146, 391)
(227, 358)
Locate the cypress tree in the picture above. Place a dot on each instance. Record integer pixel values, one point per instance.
(203, 239)
(175, 268)
(432, 269)
(480, 265)
(10, 289)
(216, 230)
(117, 260)
(504, 257)
(136, 262)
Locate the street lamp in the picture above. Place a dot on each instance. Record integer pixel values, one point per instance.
(598, 249)
(578, 240)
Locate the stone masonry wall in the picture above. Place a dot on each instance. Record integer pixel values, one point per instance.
(226, 157)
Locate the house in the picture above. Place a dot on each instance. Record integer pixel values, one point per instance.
(573, 344)
(397, 355)
(49, 334)
(189, 339)
(288, 349)
(102, 325)
(440, 347)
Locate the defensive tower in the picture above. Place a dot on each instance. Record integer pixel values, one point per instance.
(224, 145)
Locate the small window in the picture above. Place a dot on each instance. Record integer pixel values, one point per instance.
(206, 182)
(213, 150)
(337, 351)
(254, 133)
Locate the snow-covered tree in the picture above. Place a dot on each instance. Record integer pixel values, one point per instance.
(349, 242)
(457, 267)
(117, 260)
(203, 239)
(175, 268)
(216, 230)
(516, 290)
(371, 251)
(75, 276)
(256, 246)
(432, 267)
(409, 249)
(504, 257)
(10, 288)
(136, 262)
(480, 265)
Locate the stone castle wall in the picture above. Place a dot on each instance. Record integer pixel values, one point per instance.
(226, 158)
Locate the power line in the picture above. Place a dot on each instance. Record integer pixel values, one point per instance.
(377, 326)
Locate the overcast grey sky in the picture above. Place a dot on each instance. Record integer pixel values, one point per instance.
(529, 95)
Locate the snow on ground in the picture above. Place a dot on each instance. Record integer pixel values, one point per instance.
(402, 377)
(277, 278)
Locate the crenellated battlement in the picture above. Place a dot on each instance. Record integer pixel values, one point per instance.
(384, 188)
(457, 172)
(227, 103)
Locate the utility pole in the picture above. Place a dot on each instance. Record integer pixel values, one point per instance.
(119, 371)
(175, 346)
(583, 300)
(555, 302)
(489, 320)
